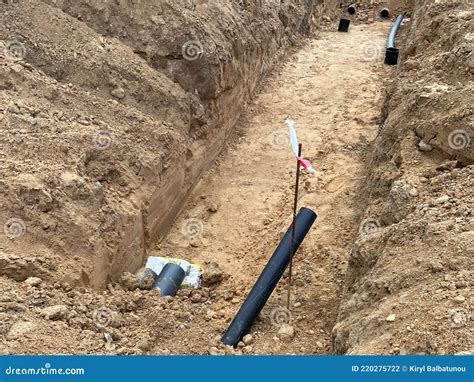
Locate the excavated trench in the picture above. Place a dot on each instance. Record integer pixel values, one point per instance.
(238, 212)
(190, 158)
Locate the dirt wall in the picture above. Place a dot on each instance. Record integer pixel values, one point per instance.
(112, 111)
(409, 279)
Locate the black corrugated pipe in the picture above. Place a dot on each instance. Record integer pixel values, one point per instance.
(391, 54)
(384, 13)
(268, 279)
(351, 9)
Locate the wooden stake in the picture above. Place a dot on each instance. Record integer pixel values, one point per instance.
(293, 226)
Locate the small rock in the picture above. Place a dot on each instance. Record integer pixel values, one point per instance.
(214, 351)
(391, 318)
(319, 344)
(286, 332)
(459, 299)
(56, 312)
(144, 345)
(128, 281)
(395, 350)
(196, 297)
(248, 339)
(210, 314)
(33, 281)
(147, 279)
(83, 122)
(460, 284)
(213, 208)
(247, 350)
(13, 108)
(118, 93)
(470, 66)
(436, 266)
(19, 329)
(425, 147)
(441, 200)
(212, 274)
(227, 294)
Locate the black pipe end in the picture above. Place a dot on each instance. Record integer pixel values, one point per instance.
(170, 278)
(384, 13)
(351, 9)
(311, 215)
(344, 25)
(391, 56)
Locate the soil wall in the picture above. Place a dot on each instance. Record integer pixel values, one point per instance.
(409, 279)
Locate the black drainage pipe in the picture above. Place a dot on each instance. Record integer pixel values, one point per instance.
(384, 13)
(170, 278)
(391, 54)
(344, 25)
(268, 279)
(351, 9)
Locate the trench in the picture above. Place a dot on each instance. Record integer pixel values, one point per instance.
(239, 210)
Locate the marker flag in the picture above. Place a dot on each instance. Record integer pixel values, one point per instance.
(304, 163)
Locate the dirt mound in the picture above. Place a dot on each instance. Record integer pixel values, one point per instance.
(409, 280)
